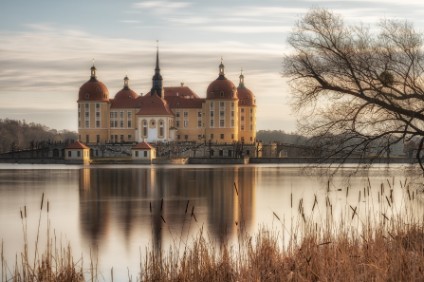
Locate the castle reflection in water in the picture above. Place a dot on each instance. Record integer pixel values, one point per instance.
(164, 203)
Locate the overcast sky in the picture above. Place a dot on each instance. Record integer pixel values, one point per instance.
(47, 47)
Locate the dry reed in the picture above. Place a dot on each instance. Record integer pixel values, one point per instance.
(389, 250)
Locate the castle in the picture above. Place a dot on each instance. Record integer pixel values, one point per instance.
(167, 114)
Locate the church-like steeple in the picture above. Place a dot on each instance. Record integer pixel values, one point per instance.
(157, 87)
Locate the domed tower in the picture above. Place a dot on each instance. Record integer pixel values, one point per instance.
(93, 111)
(220, 109)
(123, 108)
(247, 113)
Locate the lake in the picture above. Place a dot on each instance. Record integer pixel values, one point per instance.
(113, 213)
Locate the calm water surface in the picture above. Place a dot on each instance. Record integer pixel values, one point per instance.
(112, 213)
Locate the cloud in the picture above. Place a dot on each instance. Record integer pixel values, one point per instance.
(43, 68)
(161, 7)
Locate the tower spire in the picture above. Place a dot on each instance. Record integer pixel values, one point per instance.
(157, 88)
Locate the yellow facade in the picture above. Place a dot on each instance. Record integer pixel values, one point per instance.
(221, 121)
(220, 118)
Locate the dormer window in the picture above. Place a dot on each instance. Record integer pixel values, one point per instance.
(222, 93)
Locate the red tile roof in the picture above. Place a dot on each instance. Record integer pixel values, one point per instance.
(221, 88)
(246, 97)
(125, 98)
(142, 146)
(77, 145)
(153, 105)
(93, 90)
(180, 91)
(178, 102)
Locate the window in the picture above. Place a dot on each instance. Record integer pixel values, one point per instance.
(199, 114)
(232, 113)
(232, 105)
(232, 123)
(122, 138)
(221, 93)
(232, 136)
(78, 154)
(97, 123)
(136, 153)
(121, 114)
(199, 123)
(177, 123)
(212, 136)
(161, 129)
(87, 106)
(185, 123)
(97, 138)
(222, 136)
(186, 137)
(87, 124)
(144, 128)
(242, 118)
(211, 113)
(211, 122)
(177, 114)
(221, 123)
(211, 106)
(87, 138)
(69, 153)
(242, 110)
(242, 127)
(121, 124)
(87, 114)
(152, 123)
(185, 114)
(97, 106)
(221, 113)
(129, 137)
(97, 114)
(129, 124)
(178, 137)
(145, 153)
(221, 153)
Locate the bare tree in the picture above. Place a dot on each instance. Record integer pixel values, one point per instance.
(361, 88)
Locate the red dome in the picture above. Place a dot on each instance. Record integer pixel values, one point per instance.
(221, 88)
(125, 98)
(246, 97)
(93, 90)
(125, 93)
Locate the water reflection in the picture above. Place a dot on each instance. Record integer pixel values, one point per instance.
(162, 203)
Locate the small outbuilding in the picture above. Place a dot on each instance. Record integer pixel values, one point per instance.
(143, 151)
(77, 152)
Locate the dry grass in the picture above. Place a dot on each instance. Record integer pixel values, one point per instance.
(378, 255)
(392, 250)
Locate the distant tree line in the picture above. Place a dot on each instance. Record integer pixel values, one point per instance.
(19, 135)
(279, 136)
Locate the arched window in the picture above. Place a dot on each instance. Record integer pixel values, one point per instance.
(161, 129)
(144, 123)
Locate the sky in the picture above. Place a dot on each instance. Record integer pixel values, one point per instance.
(47, 48)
